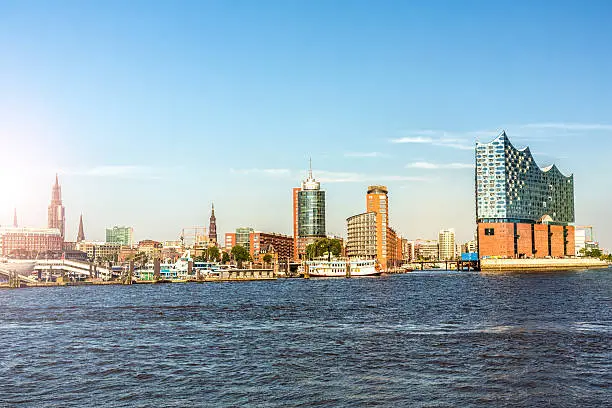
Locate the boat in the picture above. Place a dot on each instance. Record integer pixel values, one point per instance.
(343, 268)
(22, 267)
(406, 268)
(179, 270)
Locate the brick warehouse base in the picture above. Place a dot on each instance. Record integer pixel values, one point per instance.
(523, 240)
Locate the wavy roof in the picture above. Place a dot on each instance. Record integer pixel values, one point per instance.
(527, 153)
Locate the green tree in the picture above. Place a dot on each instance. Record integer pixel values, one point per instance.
(141, 258)
(324, 246)
(267, 258)
(595, 253)
(225, 258)
(592, 252)
(213, 254)
(240, 255)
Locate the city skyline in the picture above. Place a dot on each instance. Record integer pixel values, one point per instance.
(209, 112)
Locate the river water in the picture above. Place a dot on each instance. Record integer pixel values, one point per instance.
(430, 339)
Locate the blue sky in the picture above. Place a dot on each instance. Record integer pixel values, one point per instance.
(151, 110)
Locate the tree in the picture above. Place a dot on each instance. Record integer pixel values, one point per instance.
(240, 254)
(141, 258)
(592, 253)
(324, 246)
(267, 258)
(225, 258)
(213, 254)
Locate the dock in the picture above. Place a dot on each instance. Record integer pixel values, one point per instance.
(231, 275)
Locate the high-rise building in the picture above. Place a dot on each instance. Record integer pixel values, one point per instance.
(369, 235)
(296, 252)
(583, 238)
(81, 233)
(243, 237)
(425, 249)
(56, 215)
(230, 240)
(120, 235)
(212, 227)
(446, 242)
(362, 236)
(521, 209)
(309, 213)
(407, 250)
(376, 201)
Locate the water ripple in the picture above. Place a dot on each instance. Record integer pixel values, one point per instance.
(424, 340)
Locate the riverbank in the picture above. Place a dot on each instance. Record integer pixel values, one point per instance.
(236, 275)
(529, 265)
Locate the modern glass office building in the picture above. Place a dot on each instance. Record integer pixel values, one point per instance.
(243, 235)
(522, 210)
(510, 187)
(311, 209)
(120, 235)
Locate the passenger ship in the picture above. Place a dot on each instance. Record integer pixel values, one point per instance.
(180, 269)
(338, 268)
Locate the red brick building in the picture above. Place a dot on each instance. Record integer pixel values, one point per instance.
(30, 242)
(262, 242)
(523, 240)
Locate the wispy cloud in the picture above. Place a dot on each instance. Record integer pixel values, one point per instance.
(413, 139)
(585, 127)
(455, 140)
(437, 166)
(364, 154)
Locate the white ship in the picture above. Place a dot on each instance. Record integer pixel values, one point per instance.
(343, 268)
(179, 270)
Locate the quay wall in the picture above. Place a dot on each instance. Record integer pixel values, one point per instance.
(493, 265)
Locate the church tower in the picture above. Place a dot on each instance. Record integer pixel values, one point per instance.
(212, 227)
(56, 214)
(81, 234)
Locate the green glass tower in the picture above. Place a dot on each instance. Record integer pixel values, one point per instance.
(311, 209)
(120, 235)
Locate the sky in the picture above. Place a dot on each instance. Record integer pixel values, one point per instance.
(152, 110)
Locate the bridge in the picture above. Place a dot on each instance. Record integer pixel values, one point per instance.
(460, 265)
(74, 268)
(15, 279)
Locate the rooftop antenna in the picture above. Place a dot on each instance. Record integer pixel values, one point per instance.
(310, 167)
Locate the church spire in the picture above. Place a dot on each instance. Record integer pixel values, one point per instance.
(212, 226)
(81, 234)
(56, 215)
(15, 218)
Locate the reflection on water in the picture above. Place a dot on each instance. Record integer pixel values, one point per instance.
(421, 339)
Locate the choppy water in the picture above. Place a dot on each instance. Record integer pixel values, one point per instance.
(422, 339)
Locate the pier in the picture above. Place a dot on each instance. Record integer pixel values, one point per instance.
(459, 265)
(231, 275)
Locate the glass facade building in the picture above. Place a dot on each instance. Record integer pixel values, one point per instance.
(120, 235)
(311, 209)
(243, 235)
(510, 187)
